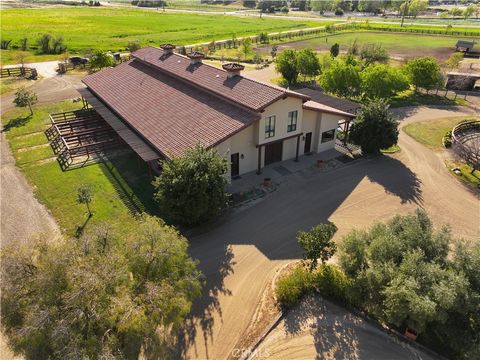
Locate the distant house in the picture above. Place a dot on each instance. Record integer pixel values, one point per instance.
(162, 103)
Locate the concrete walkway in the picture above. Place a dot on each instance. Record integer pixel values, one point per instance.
(241, 255)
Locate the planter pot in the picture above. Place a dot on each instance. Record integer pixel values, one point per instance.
(320, 163)
(410, 334)
(267, 182)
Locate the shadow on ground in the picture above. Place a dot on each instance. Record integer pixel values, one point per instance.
(17, 122)
(272, 224)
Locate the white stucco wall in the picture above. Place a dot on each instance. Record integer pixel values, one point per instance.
(245, 142)
(280, 109)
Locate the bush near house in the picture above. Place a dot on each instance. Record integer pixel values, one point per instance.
(192, 188)
(375, 128)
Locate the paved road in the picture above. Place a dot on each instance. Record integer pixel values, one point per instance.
(241, 255)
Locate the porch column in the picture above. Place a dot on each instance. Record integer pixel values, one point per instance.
(347, 128)
(298, 146)
(259, 169)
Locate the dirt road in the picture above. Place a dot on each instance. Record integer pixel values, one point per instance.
(320, 329)
(241, 255)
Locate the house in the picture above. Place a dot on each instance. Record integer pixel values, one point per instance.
(162, 103)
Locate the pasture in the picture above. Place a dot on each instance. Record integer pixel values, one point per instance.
(108, 28)
(397, 44)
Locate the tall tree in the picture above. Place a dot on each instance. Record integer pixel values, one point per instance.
(341, 79)
(308, 63)
(287, 65)
(375, 128)
(97, 297)
(424, 72)
(383, 81)
(192, 188)
(318, 243)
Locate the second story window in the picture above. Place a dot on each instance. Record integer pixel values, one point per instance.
(292, 121)
(270, 127)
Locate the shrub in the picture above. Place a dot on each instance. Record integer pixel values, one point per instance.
(335, 50)
(50, 45)
(447, 139)
(339, 12)
(263, 38)
(192, 189)
(291, 287)
(374, 53)
(4, 44)
(133, 46)
(331, 282)
(284, 10)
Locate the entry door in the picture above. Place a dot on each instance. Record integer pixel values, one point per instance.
(273, 152)
(235, 165)
(308, 143)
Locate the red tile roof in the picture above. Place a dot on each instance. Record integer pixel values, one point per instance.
(246, 92)
(170, 114)
(315, 106)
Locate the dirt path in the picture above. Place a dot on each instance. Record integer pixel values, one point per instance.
(240, 256)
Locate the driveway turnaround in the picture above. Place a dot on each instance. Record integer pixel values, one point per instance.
(241, 255)
(320, 329)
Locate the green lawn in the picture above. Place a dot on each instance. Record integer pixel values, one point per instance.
(431, 132)
(467, 177)
(112, 28)
(411, 98)
(406, 45)
(122, 189)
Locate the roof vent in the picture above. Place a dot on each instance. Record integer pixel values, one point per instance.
(233, 69)
(167, 48)
(196, 57)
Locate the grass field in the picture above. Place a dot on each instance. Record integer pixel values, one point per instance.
(430, 133)
(122, 189)
(112, 28)
(402, 45)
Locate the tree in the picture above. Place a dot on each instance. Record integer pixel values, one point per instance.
(371, 53)
(100, 60)
(24, 98)
(273, 52)
(400, 271)
(246, 48)
(341, 79)
(322, 6)
(286, 64)
(335, 50)
(249, 3)
(456, 11)
(416, 7)
(263, 38)
(100, 296)
(375, 128)
(317, 243)
(84, 196)
(133, 46)
(51, 45)
(23, 44)
(469, 11)
(192, 188)
(308, 63)
(383, 81)
(424, 72)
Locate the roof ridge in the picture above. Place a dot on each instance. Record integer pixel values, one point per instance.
(278, 88)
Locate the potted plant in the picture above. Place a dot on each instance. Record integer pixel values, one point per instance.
(267, 182)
